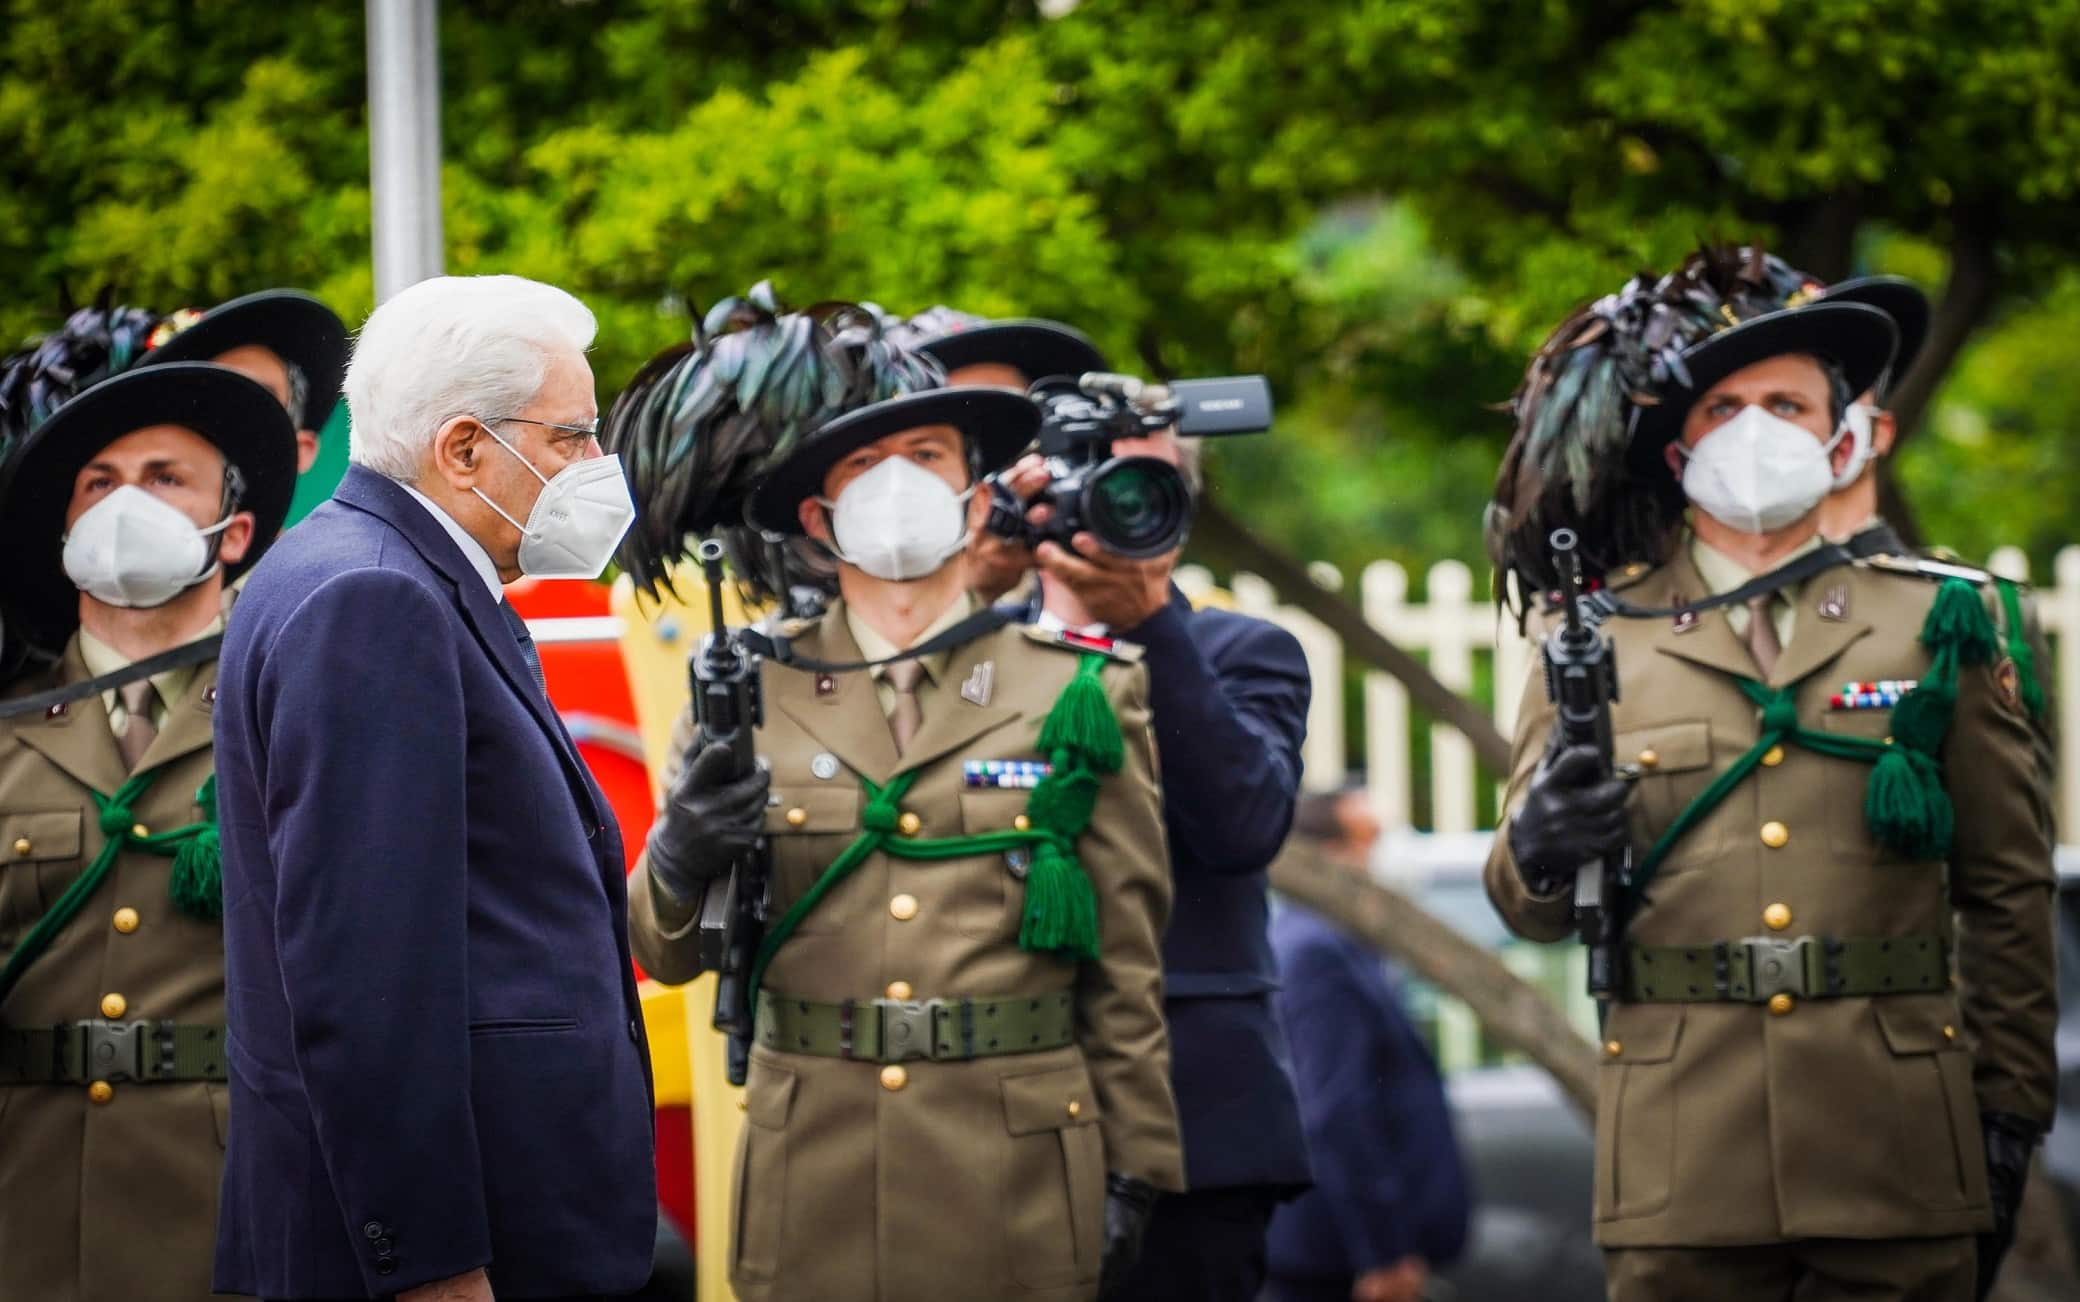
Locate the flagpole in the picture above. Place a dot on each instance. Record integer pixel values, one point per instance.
(404, 141)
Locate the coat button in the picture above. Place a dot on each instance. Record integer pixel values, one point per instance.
(386, 1265)
(1075, 1109)
(1773, 757)
(140, 831)
(101, 1091)
(1780, 1004)
(1777, 916)
(1775, 834)
(114, 1005)
(893, 1077)
(903, 908)
(22, 845)
(126, 920)
(900, 990)
(1649, 758)
(383, 1247)
(372, 1230)
(1022, 823)
(909, 824)
(797, 817)
(1611, 1048)
(1949, 1032)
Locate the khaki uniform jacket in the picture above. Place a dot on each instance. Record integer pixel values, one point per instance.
(976, 1180)
(1726, 1123)
(117, 1199)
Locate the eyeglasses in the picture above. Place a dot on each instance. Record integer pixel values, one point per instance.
(590, 430)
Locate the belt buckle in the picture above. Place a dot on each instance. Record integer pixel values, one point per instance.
(113, 1051)
(1777, 966)
(906, 1028)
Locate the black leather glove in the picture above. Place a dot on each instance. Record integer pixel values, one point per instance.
(1128, 1205)
(2009, 1143)
(1567, 816)
(708, 821)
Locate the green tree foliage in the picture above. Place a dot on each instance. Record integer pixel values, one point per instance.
(1381, 203)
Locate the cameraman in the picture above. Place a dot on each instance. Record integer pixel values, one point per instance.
(1230, 696)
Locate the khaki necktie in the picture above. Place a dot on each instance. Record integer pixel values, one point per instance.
(905, 715)
(1762, 633)
(139, 699)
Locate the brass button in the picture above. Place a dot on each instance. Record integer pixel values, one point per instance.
(1611, 1048)
(1649, 757)
(22, 845)
(1075, 1108)
(101, 1091)
(140, 831)
(1949, 1032)
(893, 1077)
(1780, 1004)
(1777, 916)
(903, 908)
(909, 824)
(1775, 834)
(114, 1005)
(1773, 757)
(900, 990)
(126, 920)
(1021, 823)
(797, 816)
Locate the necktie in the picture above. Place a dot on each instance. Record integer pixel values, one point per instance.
(138, 698)
(526, 641)
(1762, 633)
(906, 715)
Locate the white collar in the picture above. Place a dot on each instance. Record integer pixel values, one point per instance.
(472, 550)
(1050, 622)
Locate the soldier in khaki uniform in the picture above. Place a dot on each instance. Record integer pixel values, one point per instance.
(123, 515)
(1829, 1050)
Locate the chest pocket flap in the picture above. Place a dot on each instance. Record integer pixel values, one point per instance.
(31, 838)
(826, 808)
(1665, 748)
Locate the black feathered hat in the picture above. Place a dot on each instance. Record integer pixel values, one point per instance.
(997, 423)
(240, 417)
(293, 325)
(1036, 349)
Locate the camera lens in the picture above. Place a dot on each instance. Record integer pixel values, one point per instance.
(1138, 506)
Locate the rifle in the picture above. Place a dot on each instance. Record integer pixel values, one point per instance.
(728, 706)
(1581, 681)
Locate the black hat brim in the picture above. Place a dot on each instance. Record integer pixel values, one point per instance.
(237, 415)
(1897, 297)
(1034, 348)
(1858, 339)
(289, 323)
(998, 424)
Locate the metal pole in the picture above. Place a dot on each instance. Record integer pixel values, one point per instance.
(404, 141)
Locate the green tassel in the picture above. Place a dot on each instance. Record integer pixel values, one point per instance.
(1061, 910)
(1064, 801)
(2020, 651)
(1958, 620)
(1905, 805)
(1082, 720)
(197, 882)
(1922, 718)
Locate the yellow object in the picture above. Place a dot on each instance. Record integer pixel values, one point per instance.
(126, 920)
(22, 846)
(1773, 757)
(909, 824)
(893, 1077)
(665, 1018)
(903, 908)
(1780, 1004)
(1949, 1032)
(101, 1091)
(140, 831)
(900, 990)
(114, 1005)
(1075, 1108)
(1775, 834)
(1777, 917)
(1611, 1048)
(1649, 757)
(797, 817)
(1022, 823)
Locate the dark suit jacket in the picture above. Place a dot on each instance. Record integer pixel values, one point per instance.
(436, 1050)
(1388, 1178)
(1230, 697)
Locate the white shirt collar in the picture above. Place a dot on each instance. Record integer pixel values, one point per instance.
(1050, 622)
(472, 550)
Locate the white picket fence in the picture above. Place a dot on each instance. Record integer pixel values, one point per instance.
(1457, 630)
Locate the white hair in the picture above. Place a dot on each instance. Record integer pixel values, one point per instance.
(453, 346)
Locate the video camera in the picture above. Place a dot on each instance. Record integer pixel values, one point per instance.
(1137, 506)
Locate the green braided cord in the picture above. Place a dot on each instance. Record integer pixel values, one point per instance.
(117, 818)
(2019, 649)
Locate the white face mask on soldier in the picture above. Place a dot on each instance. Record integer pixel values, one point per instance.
(898, 521)
(131, 549)
(1758, 472)
(1857, 422)
(578, 518)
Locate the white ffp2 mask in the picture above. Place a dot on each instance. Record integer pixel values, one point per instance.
(1758, 472)
(898, 521)
(577, 520)
(1857, 423)
(131, 549)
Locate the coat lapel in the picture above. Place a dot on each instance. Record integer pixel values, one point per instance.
(1710, 641)
(188, 721)
(839, 710)
(1817, 639)
(950, 719)
(78, 739)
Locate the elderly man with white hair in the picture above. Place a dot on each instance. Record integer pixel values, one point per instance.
(439, 1082)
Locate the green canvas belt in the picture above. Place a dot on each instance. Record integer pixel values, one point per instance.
(1756, 969)
(96, 1050)
(893, 1030)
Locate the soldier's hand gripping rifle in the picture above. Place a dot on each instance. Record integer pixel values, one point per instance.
(1582, 680)
(728, 707)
